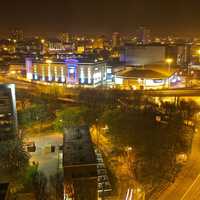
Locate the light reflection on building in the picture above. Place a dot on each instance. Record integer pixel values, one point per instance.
(70, 71)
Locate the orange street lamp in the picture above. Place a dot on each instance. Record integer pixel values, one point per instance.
(42, 41)
(48, 61)
(169, 61)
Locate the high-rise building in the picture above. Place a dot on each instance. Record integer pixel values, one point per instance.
(143, 35)
(99, 42)
(116, 40)
(80, 165)
(8, 113)
(17, 35)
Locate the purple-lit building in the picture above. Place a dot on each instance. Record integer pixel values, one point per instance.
(70, 71)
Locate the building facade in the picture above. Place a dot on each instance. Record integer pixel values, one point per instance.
(70, 71)
(8, 113)
(140, 55)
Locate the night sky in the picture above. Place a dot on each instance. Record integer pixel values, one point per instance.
(100, 16)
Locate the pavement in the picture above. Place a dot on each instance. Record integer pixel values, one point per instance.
(49, 162)
(187, 184)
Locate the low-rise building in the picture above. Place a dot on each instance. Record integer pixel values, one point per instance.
(8, 113)
(80, 165)
(140, 79)
(70, 71)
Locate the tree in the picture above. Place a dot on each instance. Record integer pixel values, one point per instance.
(57, 185)
(156, 143)
(39, 183)
(72, 116)
(12, 155)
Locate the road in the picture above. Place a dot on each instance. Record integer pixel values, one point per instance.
(182, 92)
(172, 92)
(193, 192)
(187, 184)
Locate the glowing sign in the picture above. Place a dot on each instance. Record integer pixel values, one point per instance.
(118, 80)
(151, 82)
(97, 77)
(109, 70)
(71, 61)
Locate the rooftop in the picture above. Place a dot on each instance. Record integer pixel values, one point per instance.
(141, 73)
(78, 148)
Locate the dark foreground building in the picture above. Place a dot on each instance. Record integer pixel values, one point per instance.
(8, 113)
(80, 166)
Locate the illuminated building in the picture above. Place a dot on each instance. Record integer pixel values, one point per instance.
(32, 46)
(69, 71)
(140, 79)
(8, 113)
(80, 49)
(55, 45)
(143, 35)
(80, 165)
(64, 38)
(98, 43)
(7, 46)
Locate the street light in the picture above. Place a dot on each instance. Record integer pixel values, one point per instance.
(42, 41)
(48, 61)
(169, 62)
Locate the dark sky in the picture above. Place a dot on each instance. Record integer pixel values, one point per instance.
(100, 16)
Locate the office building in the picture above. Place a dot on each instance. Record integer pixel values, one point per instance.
(80, 165)
(8, 113)
(17, 35)
(143, 36)
(140, 55)
(55, 45)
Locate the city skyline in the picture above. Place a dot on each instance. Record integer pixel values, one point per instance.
(166, 18)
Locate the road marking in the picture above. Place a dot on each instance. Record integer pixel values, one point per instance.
(190, 187)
